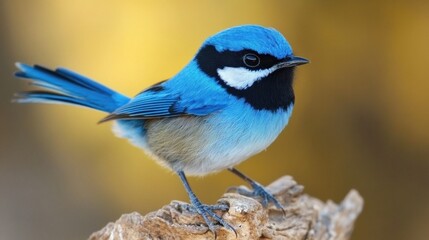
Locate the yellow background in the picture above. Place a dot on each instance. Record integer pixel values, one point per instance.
(360, 121)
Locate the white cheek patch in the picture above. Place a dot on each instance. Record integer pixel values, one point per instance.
(242, 78)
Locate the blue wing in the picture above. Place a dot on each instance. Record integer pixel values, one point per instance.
(160, 101)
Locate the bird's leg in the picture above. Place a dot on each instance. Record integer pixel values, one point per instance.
(205, 210)
(258, 190)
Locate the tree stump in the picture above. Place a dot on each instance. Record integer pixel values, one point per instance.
(305, 217)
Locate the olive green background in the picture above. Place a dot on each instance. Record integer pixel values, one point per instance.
(360, 120)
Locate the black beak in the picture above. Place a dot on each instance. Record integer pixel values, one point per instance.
(293, 61)
(296, 61)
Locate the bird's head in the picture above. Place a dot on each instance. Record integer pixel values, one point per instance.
(251, 62)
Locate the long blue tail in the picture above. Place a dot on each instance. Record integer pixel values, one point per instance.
(66, 87)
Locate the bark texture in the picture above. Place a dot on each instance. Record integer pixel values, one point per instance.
(305, 217)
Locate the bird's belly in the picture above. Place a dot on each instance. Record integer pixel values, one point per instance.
(201, 145)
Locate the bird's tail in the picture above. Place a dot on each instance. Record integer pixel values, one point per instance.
(66, 87)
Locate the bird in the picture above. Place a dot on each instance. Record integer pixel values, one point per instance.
(230, 102)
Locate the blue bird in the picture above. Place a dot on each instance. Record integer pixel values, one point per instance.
(230, 102)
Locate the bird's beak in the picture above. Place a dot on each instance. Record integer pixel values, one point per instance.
(292, 61)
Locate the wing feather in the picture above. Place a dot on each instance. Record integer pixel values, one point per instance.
(162, 102)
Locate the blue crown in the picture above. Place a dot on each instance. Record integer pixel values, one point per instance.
(260, 39)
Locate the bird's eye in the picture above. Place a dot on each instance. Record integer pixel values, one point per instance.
(251, 60)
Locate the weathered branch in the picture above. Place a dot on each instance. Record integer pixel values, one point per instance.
(305, 218)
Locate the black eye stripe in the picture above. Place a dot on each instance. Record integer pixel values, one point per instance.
(214, 59)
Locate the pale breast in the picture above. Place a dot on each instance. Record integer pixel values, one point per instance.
(200, 145)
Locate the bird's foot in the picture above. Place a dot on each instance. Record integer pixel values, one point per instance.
(260, 191)
(207, 211)
(217, 207)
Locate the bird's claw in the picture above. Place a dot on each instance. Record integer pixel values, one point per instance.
(260, 191)
(207, 211)
(216, 207)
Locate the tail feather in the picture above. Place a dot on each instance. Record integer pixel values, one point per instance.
(66, 87)
(48, 97)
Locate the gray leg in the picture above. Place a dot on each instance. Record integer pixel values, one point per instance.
(258, 190)
(204, 210)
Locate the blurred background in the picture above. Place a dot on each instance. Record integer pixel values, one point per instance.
(360, 120)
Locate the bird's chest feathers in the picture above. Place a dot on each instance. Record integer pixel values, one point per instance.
(248, 132)
(224, 139)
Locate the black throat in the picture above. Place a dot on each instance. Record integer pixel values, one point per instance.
(272, 93)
